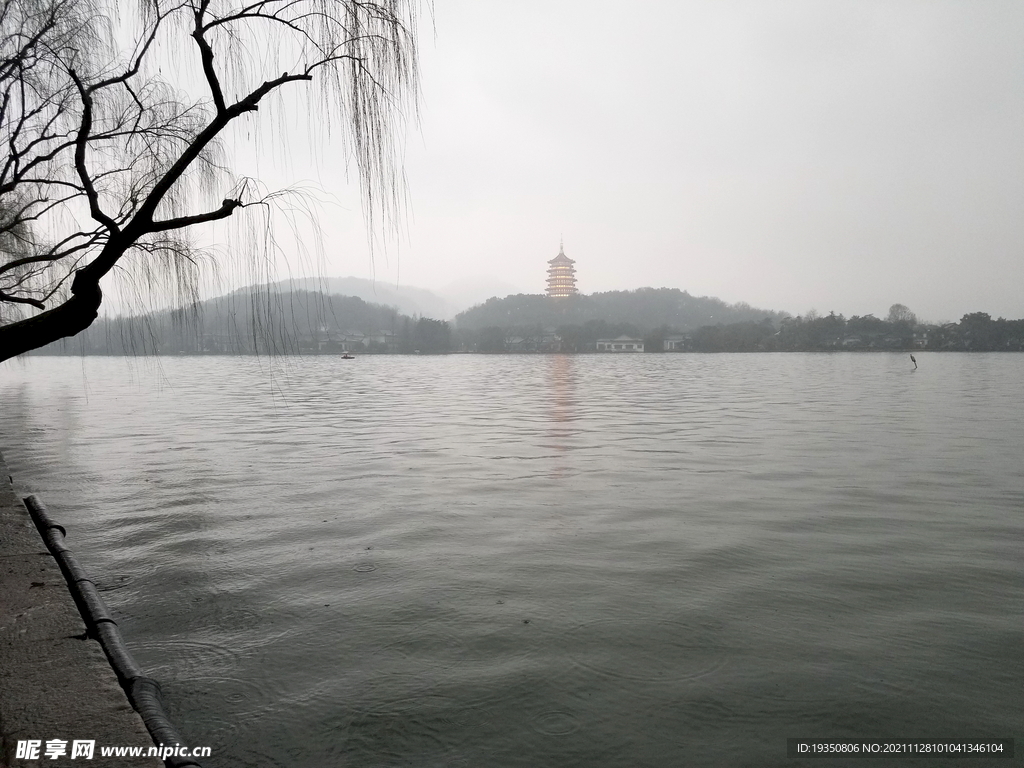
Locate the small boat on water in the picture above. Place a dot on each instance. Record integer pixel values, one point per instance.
(347, 356)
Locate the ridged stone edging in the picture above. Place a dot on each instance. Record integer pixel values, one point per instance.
(143, 692)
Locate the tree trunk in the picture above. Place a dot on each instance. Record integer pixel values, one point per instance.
(72, 317)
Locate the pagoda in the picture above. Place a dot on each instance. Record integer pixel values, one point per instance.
(561, 275)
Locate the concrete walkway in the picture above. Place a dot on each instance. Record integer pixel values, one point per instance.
(54, 683)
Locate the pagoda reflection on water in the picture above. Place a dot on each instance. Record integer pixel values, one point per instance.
(561, 275)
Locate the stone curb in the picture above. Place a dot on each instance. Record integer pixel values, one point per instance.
(143, 692)
(55, 681)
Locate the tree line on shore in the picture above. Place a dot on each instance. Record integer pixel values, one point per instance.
(975, 332)
(900, 330)
(310, 323)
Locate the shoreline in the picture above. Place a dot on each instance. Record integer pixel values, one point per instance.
(56, 682)
(588, 353)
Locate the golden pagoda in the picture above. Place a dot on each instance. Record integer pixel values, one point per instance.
(561, 275)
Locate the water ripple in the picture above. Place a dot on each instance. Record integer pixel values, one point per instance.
(544, 560)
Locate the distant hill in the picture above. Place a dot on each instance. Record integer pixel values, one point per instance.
(644, 309)
(288, 317)
(261, 321)
(406, 299)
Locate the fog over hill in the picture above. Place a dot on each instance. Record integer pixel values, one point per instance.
(406, 299)
(468, 292)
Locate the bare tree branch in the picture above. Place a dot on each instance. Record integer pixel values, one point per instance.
(226, 209)
(81, 143)
(21, 300)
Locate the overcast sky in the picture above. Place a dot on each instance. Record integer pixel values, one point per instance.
(791, 154)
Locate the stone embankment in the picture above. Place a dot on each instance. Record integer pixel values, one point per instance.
(55, 681)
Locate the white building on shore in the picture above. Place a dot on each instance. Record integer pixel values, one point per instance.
(620, 344)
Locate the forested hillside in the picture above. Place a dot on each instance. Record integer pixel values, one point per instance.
(644, 308)
(263, 322)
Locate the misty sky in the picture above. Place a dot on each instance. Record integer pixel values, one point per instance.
(794, 155)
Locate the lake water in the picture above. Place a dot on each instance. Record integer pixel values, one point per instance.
(649, 560)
